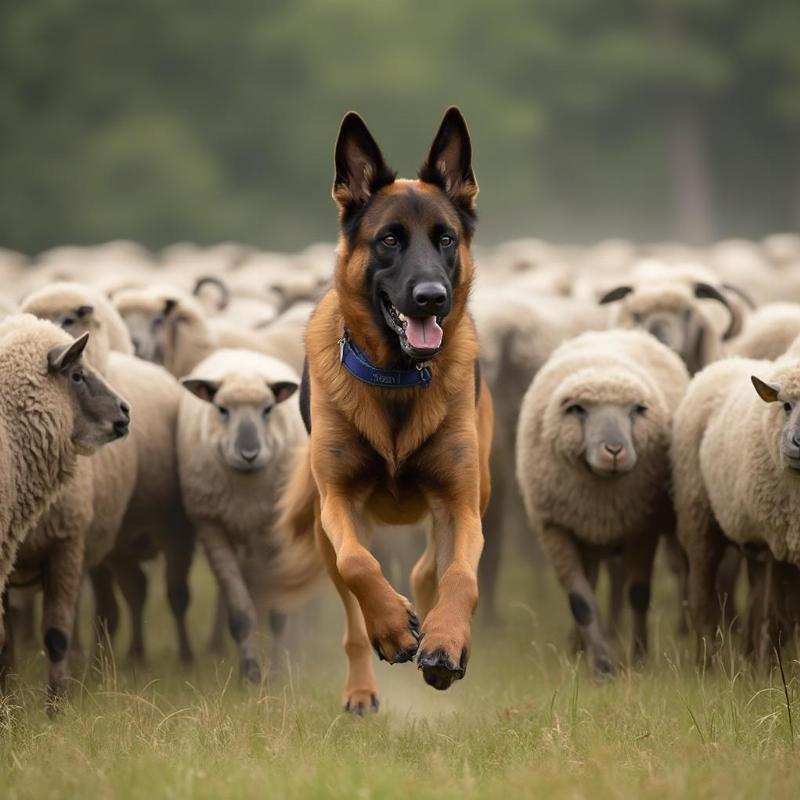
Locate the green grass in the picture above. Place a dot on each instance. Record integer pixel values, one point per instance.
(526, 722)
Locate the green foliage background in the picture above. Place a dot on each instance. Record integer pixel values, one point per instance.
(163, 120)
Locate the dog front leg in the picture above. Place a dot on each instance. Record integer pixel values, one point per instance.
(446, 637)
(391, 623)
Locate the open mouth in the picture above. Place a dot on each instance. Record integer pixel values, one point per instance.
(420, 337)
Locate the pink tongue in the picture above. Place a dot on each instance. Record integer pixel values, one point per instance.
(424, 334)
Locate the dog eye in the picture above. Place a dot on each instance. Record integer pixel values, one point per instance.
(390, 240)
(446, 240)
(575, 408)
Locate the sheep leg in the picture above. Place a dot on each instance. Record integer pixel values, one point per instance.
(133, 585)
(216, 642)
(392, 625)
(62, 584)
(458, 541)
(679, 567)
(423, 579)
(178, 555)
(638, 557)
(705, 554)
(106, 608)
(6, 642)
(564, 554)
(276, 621)
(242, 617)
(361, 687)
(616, 593)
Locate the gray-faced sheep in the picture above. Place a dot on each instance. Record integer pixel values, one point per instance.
(239, 428)
(518, 333)
(593, 468)
(137, 501)
(53, 408)
(171, 328)
(736, 468)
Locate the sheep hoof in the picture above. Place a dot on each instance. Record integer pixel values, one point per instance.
(439, 671)
(603, 668)
(250, 671)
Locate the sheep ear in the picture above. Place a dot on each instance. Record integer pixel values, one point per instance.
(360, 168)
(64, 356)
(615, 294)
(768, 392)
(449, 162)
(705, 291)
(283, 390)
(205, 390)
(84, 311)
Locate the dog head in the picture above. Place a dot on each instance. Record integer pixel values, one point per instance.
(404, 267)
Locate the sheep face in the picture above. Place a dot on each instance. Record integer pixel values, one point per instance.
(782, 419)
(149, 328)
(99, 414)
(602, 423)
(672, 315)
(239, 428)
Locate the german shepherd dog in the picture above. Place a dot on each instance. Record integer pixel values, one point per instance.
(384, 447)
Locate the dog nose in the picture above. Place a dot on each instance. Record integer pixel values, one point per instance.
(249, 455)
(613, 450)
(430, 296)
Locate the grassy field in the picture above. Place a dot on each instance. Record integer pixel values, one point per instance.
(526, 722)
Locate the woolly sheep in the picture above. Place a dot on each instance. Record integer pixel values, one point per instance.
(769, 332)
(593, 468)
(238, 430)
(736, 463)
(517, 334)
(170, 327)
(53, 408)
(138, 506)
(670, 303)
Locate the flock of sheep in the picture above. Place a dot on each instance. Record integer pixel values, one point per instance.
(642, 393)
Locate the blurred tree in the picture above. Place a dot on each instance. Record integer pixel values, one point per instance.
(169, 119)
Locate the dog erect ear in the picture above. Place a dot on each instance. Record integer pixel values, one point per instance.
(360, 168)
(205, 390)
(768, 392)
(449, 162)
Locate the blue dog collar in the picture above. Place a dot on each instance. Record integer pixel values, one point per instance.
(356, 362)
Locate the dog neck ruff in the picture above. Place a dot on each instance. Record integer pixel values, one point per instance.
(356, 362)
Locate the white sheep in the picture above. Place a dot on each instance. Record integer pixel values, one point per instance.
(736, 474)
(53, 408)
(768, 332)
(593, 467)
(238, 430)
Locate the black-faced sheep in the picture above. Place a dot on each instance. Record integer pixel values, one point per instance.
(593, 468)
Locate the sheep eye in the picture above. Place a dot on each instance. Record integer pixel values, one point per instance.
(640, 409)
(77, 376)
(157, 322)
(575, 408)
(446, 240)
(265, 412)
(223, 412)
(390, 240)
(787, 407)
